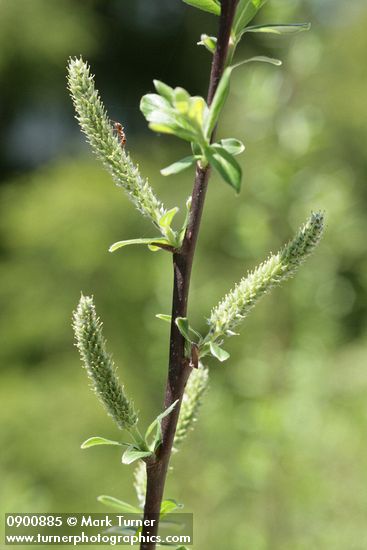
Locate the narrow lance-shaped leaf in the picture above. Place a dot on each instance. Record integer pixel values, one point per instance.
(217, 104)
(190, 334)
(164, 317)
(292, 28)
(149, 241)
(211, 6)
(263, 59)
(118, 504)
(226, 165)
(96, 440)
(156, 422)
(167, 218)
(132, 454)
(245, 12)
(179, 165)
(222, 92)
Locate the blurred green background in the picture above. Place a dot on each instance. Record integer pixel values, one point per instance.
(278, 460)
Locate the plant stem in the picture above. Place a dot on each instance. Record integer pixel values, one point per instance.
(179, 369)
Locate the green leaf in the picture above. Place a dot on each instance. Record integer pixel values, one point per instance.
(232, 146)
(212, 6)
(169, 505)
(219, 99)
(167, 218)
(222, 92)
(209, 42)
(186, 221)
(96, 440)
(183, 326)
(118, 504)
(181, 100)
(226, 165)
(157, 421)
(190, 334)
(198, 111)
(151, 103)
(165, 123)
(164, 317)
(132, 454)
(149, 241)
(179, 166)
(263, 59)
(164, 90)
(245, 12)
(218, 352)
(280, 29)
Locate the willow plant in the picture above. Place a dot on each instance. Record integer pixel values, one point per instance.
(193, 119)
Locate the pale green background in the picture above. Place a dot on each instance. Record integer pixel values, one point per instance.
(278, 460)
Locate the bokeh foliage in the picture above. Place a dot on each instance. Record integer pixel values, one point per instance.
(279, 458)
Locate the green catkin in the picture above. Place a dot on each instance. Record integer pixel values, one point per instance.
(140, 482)
(191, 402)
(92, 117)
(99, 365)
(236, 305)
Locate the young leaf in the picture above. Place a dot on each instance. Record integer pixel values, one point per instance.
(164, 317)
(118, 504)
(151, 103)
(280, 29)
(226, 165)
(219, 99)
(157, 421)
(186, 221)
(96, 440)
(218, 352)
(179, 166)
(264, 59)
(132, 453)
(164, 90)
(222, 92)
(232, 146)
(190, 334)
(169, 505)
(209, 42)
(212, 6)
(168, 123)
(245, 12)
(183, 326)
(167, 218)
(149, 241)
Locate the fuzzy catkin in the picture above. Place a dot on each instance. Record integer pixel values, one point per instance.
(140, 482)
(99, 364)
(236, 305)
(92, 117)
(191, 402)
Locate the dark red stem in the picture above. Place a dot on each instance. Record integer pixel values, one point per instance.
(179, 369)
